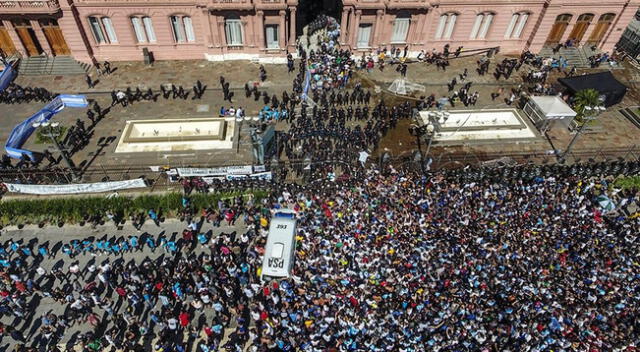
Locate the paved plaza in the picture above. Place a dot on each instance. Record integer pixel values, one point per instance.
(615, 133)
(356, 239)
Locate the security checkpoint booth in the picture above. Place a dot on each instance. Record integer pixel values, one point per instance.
(548, 111)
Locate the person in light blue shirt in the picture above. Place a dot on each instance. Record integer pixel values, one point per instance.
(133, 242)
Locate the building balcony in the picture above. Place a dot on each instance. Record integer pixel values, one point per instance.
(270, 4)
(230, 5)
(407, 4)
(29, 7)
(132, 2)
(365, 4)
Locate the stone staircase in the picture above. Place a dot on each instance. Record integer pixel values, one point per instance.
(575, 56)
(52, 65)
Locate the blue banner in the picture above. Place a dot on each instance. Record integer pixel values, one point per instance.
(7, 75)
(23, 130)
(307, 83)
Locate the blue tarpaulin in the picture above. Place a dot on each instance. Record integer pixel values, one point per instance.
(23, 130)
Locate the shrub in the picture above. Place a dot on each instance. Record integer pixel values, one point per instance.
(627, 182)
(73, 210)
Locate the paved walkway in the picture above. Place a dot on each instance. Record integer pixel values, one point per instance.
(616, 131)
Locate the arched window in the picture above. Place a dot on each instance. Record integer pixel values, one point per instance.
(517, 24)
(103, 31)
(143, 28)
(607, 17)
(446, 25)
(602, 27)
(481, 25)
(585, 17)
(233, 30)
(401, 28)
(182, 29)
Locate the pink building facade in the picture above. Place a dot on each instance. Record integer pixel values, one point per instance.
(266, 30)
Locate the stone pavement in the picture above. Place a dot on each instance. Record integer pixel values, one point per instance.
(616, 131)
(55, 237)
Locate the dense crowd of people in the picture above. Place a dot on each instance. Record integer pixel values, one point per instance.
(385, 261)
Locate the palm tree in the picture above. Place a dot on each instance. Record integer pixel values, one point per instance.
(584, 98)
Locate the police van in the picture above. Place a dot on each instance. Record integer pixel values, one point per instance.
(280, 251)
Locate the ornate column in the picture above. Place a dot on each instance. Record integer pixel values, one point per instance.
(343, 25)
(260, 33)
(250, 22)
(42, 39)
(413, 25)
(15, 38)
(353, 33)
(247, 40)
(282, 39)
(214, 29)
(221, 34)
(424, 31)
(206, 24)
(378, 27)
(292, 26)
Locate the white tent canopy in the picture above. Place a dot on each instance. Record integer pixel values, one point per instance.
(545, 111)
(552, 107)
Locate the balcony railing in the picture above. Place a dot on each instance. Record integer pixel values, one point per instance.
(232, 4)
(28, 6)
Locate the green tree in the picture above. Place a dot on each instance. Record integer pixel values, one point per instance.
(584, 98)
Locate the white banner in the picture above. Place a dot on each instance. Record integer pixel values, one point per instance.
(261, 175)
(75, 188)
(215, 171)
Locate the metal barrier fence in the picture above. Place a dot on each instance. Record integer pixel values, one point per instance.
(296, 168)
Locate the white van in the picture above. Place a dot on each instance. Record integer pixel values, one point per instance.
(280, 251)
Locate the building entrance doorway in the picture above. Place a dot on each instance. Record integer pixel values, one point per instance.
(580, 28)
(6, 44)
(309, 10)
(54, 36)
(558, 29)
(27, 37)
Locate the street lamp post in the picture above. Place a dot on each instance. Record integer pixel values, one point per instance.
(419, 132)
(48, 128)
(239, 121)
(590, 114)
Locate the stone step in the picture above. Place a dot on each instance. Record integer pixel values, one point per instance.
(56, 65)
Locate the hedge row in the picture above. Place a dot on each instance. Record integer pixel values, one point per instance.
(74, 210)
(627, 182)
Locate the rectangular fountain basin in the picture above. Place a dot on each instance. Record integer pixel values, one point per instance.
(482, 126)
(168, 135)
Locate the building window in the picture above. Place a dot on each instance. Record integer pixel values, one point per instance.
(400, 28)
(516, 25)
(481, 26)
(233, 31)
(446, 26)
(272, 36)
(143, 27)
(364, 35)
(103, 30)
(182, 29)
